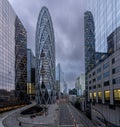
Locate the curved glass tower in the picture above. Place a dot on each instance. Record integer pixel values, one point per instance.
(45, 59)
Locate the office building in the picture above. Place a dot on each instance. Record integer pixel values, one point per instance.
(89, 37)
(80, 85)
(10, 27)
(60, 79)
(20, 61)
(45, 59)
(30, 74)
(104, 78)
(7, 51)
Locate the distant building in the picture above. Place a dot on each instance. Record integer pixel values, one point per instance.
(80, 85)
(45, 59)
(65, 88)
(62, 86)
(30, 74)
(60, 77)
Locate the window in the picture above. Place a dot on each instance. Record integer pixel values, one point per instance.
(113, 60)
(89, 82)
(116, 80)
(98, 70)
(117, 94)
(94, 87)
(94, 95)
(91, 96)
(94, 80)
(113, 71)
(113, 81)
(106, 65)
(99, 95)
(106, 74)
(94, 73)
(90, 76)
(99, 86)
(107, 83)
(107, 96)
(99, 77)
(117, 69)
(89, 87)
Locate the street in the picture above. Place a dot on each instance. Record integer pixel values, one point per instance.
(66, 116)
(69, 116)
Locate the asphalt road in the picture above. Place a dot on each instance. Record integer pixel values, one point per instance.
(65, 116)
(69, 116)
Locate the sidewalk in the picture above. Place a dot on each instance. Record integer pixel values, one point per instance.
(4, 115)
(50, 118)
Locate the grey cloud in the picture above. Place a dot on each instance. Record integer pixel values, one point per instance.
(67, 18)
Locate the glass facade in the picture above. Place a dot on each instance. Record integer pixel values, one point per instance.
(30, 74)
(45, 59)
(106, 15)
(20, 61)
(60, 78)
(7, 53)
(89, 36)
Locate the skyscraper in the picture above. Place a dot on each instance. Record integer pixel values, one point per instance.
(45, 58)
(30, 74)
(60, 78)
(7, 51)
(20, 61)
(89, 35)
(80, 84)
(12, 54)
(104, 78)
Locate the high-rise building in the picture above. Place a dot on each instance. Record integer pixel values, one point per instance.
(7, 51)
(20, 61)
(104, 78)
(10, 68)
(89, 35)
(45, 59)
(60, 79)
(30, 74)
(80, 85)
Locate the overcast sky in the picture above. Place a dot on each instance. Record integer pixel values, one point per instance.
(67, 18)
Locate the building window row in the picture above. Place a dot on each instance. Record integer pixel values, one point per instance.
(116, 96)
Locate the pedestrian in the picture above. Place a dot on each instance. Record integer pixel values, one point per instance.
(20, 124)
